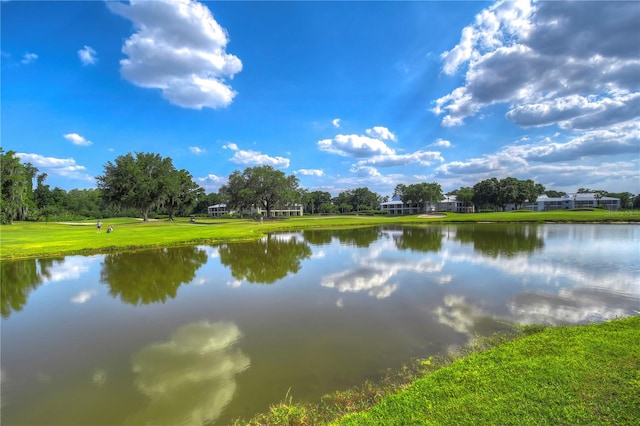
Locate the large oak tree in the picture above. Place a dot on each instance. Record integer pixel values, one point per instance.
(145, 182)
(261, 186)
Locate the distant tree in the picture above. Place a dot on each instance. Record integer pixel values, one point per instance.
(17, 188)
(43, 197)
(182, 192)
(555, 194)
(626, 198)
(422, 194)
(399, 190)
(328, 208)
(485, 193)
(365, 199)
(313, 200)
(202, 206)
(141, 182)
(636, 202)
(357, 199)
(508, 192)
(592, 191)
(261, 186)
(529, 191)
(465, 194)
(500, 193)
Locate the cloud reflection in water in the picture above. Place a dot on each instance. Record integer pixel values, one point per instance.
(190, 379)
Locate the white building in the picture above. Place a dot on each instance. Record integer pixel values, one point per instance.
(571, 201)
(449, 204)
(543, 203)
(218, 210)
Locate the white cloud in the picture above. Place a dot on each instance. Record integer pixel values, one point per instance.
(87, 55)
(179, 48)
(197, 150)
(211, 183)
(561, 162)
(309, 172)
(65, 167)
(365, 171)
(336, 122)
(232, 146)
(381, 133)
(28, 58)
(354, 146)
(76, 139)
(424, 158)
(248, 157)
(442, 143)
(574, 64)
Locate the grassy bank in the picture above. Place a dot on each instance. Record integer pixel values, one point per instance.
(37, 239)
(561, 376)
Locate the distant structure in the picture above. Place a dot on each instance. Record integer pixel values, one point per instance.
(449, 204)
(218, 210)
(543, 203)
(571, 201)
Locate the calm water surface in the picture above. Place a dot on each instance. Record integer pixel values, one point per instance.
(202, 335)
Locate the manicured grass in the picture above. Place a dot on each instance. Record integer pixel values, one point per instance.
(556, 376)
(38, 239)
(567, 375)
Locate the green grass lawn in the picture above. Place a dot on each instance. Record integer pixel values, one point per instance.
(544, 376)
(562, 376)
(39, 239)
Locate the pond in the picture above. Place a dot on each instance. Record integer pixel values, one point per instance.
(201, 335)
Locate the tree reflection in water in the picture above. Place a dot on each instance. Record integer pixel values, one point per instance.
(150, 276)
(420, 239)
(495, 240)
(19, 278)
(264, 261)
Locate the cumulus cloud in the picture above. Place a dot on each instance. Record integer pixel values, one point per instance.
(28, 58)
(570, 63)
(619, 139)
(309, 172)
(442, 143)
(559, 160)
(179, 48)
(250, 157)
(87, 55)
(211, 183)
(197, 150)
(65, 167)
(381, 133)
(76, 139)
(354, 146)
(336, 122)
(424, 158)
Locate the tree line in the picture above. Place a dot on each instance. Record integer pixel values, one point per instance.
(147, 184)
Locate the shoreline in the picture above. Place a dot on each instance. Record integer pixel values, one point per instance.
(23, 240)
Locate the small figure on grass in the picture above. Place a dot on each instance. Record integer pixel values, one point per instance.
(98, 227)
(110, 229)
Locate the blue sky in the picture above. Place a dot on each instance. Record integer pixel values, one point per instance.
(341, 94)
